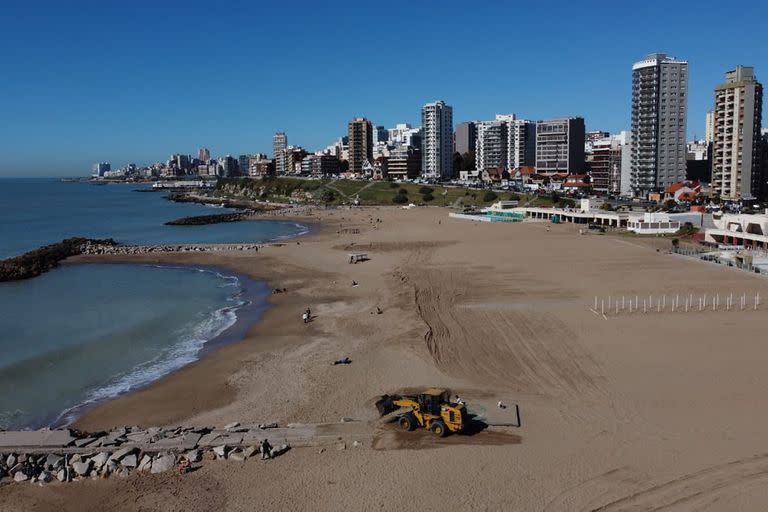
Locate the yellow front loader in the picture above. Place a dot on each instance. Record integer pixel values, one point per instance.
(430, 409)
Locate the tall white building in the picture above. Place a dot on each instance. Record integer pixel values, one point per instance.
(709, 133)
(659, 112)
(437, 140)
(491, 145)
(506, 142)
(625, 186)
(279, 145)
(736, 141)
(521, 143)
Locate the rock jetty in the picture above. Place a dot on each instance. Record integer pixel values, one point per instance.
(148, 249)
(188, 197)
(63, 455)
(34, 263)
(42, 456)
(200, 220)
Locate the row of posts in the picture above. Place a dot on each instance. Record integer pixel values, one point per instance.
(688, 303)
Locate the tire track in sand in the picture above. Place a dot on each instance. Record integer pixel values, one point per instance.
(687, 492)
(522, 350)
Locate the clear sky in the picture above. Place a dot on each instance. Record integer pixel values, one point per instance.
(82, 82)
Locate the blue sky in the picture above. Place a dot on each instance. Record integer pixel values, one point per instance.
(88, 81)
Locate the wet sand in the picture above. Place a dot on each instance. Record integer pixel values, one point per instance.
(631, 412)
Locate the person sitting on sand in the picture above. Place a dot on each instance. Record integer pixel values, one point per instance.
(305, 318)
(354, 283)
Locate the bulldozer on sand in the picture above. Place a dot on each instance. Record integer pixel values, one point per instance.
(431, 409)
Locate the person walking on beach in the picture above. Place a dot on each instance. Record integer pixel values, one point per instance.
(305, 317)
(266, 450)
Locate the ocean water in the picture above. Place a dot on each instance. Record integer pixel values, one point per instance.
(35, 212)
(88, 332)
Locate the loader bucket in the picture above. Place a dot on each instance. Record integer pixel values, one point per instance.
(385, 405)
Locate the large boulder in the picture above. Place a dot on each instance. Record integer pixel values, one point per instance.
(146, 463)
(61, 476)
(20, 476)
(53, 462)
(250, 451)
(122, 452)
(193, 456)
(81, 468)
(237, 455)
(279, 450)
(100, 459)
(220, 451)
(129, 461)
(164, 462)
(45, 477)
(11, 460)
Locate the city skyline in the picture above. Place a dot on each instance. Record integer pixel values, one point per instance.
(78, 95)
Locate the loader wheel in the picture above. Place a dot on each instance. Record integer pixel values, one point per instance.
(407, 422)
(438, 428)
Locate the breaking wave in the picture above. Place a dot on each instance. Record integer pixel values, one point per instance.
(190, 341)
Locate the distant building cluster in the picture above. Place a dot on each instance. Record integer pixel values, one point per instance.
(541, 155)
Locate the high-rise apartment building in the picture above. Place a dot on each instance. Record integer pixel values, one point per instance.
(560, 146)
(228, 166)
(243, 164)
(437, 140)
(360, 144)
(183, 162)
(100, 168)
(736, 141)
(604, 162)
(521, 143)
(659, 112)
(465, 137)
(491, 146)
(203, 154)
(279, 145)
(506, 142)
(380, 134)
(625, 182)
(709, 133)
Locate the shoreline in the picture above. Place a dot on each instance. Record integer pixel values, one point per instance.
(104, 414)
(250, 306)
(255, 293)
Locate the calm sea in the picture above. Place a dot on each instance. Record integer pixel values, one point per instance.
(84, 333)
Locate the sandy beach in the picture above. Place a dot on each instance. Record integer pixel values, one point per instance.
(655, 411)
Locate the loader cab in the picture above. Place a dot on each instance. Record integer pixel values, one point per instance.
(431, 400)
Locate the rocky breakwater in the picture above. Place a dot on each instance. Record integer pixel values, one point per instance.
(149, 249)
(34, 263)
(250, 204)
(201, 220)
(46, 455)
